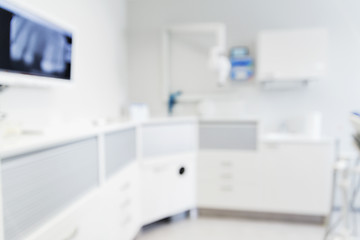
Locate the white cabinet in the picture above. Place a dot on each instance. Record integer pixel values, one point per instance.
(289, 178)
(291, 55)
(297, 177)
(122, 185)
(286, 177)
(168, 168)
(97, 221)
(228, 165)
(122, 193)
(229, 180)
(168, 187)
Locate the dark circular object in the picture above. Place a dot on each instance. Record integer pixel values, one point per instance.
(182, 171)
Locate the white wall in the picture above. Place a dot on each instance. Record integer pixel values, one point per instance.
(335, 96)
(100, 76)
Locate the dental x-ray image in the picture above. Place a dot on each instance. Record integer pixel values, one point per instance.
(27, 46)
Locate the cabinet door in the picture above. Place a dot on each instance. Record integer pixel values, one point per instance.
(296, 177)
(168, 187)
(183, 186)
(98, 220)
(156, 187)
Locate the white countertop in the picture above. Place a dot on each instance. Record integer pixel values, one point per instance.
(229, 120)
(11, 146)
(162, 120)
(32, 142)
(293, 138)
(14, 145)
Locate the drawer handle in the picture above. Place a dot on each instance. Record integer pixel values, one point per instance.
(226, 164)
(125, 187)
(227, 188)
(272, 145)
(126, 203)
(227, 176)
(127, 220)
(72, 235)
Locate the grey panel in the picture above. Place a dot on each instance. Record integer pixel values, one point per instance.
(120, 149)
(229, 136)
(172, 138)
(38, 185)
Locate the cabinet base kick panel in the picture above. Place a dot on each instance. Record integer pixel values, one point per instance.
(264, 216)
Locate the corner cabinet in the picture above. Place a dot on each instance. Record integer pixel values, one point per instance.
(75, 188)
(168, 169)
(103, 184)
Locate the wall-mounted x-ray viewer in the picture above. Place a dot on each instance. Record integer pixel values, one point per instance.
(211, 68)
(33, 51)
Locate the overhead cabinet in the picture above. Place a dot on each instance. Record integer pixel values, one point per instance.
(291, 55)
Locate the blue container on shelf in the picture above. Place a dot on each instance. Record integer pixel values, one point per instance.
(242, 65)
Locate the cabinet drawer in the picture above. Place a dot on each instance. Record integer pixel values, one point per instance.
(241, 168)
(222, 195)
(123, 200)
(216, 169)
(66, 228)
(64, 231)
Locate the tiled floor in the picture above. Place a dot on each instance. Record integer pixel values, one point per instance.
(232, 229)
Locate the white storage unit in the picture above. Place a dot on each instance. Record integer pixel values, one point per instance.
(122, 186)
(168, 187)
(108, 182)
(78, 187)
(86, 186)
(168, 168)
(283, 177)
(292, 55)
(229, 180)
(123, 203)
(296, 177)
